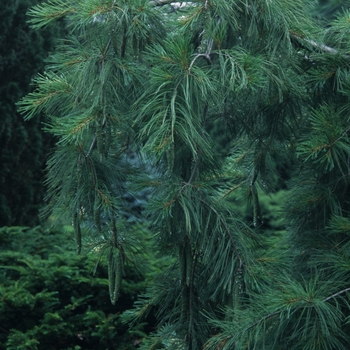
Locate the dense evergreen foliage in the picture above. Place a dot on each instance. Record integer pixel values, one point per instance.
(24, 148)
(51, 300)
(166, 81)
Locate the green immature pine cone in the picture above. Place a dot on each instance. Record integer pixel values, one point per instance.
(115, 271)
(256, 206)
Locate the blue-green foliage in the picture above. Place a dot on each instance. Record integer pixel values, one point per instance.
(276, 81)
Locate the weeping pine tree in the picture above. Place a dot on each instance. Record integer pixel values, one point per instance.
(169, 82)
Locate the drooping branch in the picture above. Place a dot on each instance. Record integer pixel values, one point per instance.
(160, 2)
(315, 45)
(226, 228)
(322, 47)
(275, 313)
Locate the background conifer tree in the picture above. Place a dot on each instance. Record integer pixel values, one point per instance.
(157, 78)
(24, 147)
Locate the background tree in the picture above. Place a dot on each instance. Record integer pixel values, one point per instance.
(50, 299)
(23, 146)
(276, 78)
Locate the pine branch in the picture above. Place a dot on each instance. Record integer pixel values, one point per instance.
(226, 229)
(275, 313)
(160, 2)
(209, 49)
(342, 135)
(260, 321)
(205, 55)
(336, 294)
(196, 165)
(321, 47)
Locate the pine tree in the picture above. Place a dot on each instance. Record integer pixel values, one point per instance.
(157, 78)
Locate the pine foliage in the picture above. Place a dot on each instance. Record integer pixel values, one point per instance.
(157, 78)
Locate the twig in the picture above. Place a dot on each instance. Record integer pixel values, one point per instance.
(91, 146)
(209, 49)
(342, 135)
(160, 2)
(336, 294)
(205, 55)
(261, 320)
(322, 47)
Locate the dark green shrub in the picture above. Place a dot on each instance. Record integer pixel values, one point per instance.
(49, 298)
